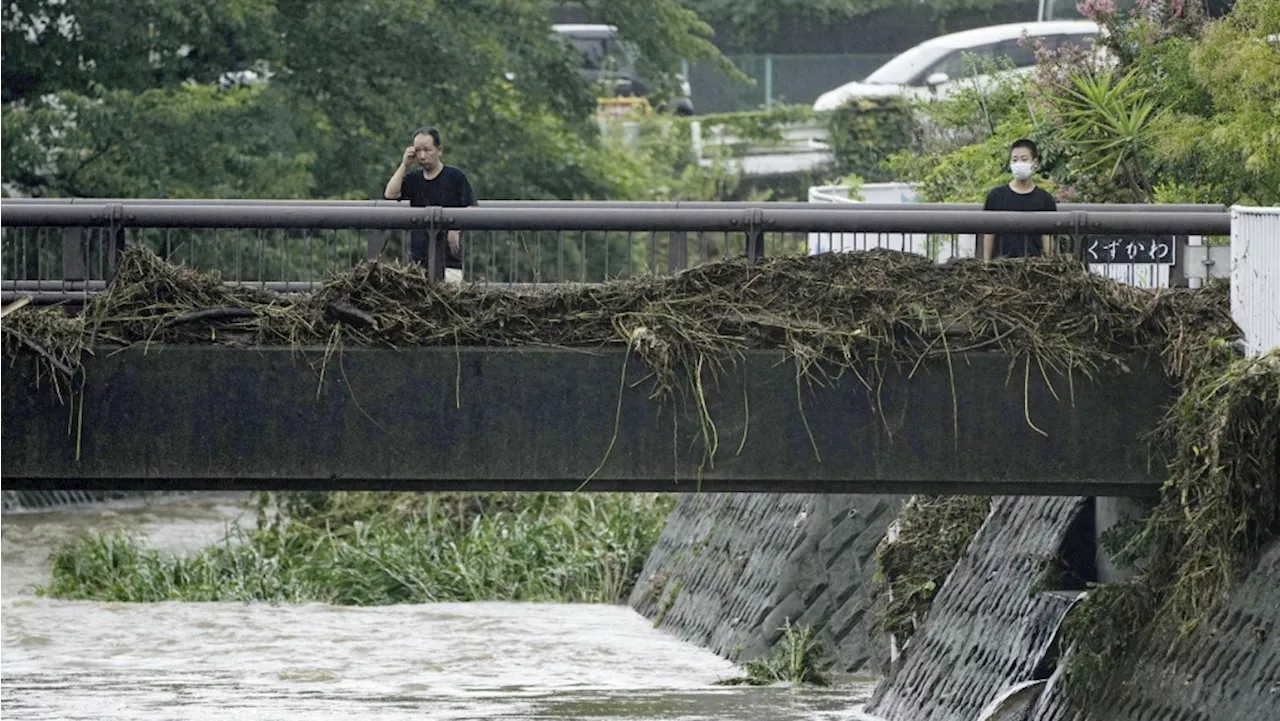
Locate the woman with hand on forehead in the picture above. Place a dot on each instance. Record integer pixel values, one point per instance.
(435, 184)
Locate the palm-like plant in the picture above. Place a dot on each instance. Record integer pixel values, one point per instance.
(1113, 123)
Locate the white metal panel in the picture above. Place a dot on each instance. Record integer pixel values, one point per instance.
(822, 242)
(873, 193)
(1255, 276)
(1142, 275)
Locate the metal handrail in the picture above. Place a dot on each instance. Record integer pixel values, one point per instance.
(753, 221)
(611, 204)
(899, 220)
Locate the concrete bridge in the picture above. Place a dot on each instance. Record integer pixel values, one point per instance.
(471, 418)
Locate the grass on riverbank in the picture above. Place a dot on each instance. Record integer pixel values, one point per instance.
(385, 548)
(799, 658)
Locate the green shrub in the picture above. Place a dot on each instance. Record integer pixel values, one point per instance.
(865, 132)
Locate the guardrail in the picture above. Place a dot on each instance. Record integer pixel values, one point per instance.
(53, 248)
(621, 204)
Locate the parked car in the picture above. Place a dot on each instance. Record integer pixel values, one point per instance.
(611, 62)
(935, 68)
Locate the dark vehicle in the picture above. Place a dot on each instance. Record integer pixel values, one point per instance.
(611, 63)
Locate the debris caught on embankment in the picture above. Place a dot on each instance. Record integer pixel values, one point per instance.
(933, 533)
(1219, 508)
(799, 658)
(851, 312)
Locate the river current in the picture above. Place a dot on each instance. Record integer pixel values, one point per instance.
(450, 661)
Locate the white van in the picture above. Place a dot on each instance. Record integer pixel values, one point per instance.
(934, 68)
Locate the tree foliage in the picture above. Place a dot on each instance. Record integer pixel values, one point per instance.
(1230, 146)
(746, 20)
(1173, 108)
(168, 143)
(126, 98)
(70, 45)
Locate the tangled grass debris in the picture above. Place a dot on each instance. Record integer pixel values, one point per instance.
(1220, 506)
(844, 309)
(799, 658)
(54, 337)
(933, 534)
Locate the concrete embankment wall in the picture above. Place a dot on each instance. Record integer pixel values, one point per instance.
(43, 500)
(1227, 670)
(992, 624)
(730, 569)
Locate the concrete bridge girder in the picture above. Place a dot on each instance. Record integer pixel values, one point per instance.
(442, 418)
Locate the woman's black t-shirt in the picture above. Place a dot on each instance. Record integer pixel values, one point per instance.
(449, 189)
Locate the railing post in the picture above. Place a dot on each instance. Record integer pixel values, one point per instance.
(73, 254)
(678, 254)
(115, 239)
(1177, 275)
(755, 235)
(437, 237)
(376, 242)
(1078, 218)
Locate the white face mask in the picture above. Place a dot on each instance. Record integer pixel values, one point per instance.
(1021, 171)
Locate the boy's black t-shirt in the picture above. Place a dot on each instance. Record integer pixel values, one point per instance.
(449, 189)
(1017, 245)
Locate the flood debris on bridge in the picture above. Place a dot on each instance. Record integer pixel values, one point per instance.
(832, 313)
(838, 308)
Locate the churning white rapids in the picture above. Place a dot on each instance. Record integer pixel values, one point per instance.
(105, 661)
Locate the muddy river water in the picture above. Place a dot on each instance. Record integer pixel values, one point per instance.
(88, 660)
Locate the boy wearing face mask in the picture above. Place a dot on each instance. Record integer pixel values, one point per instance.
(1020, 194)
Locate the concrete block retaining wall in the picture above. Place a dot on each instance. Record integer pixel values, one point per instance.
(1228, 670)
(15, 501)
(730, 569)
(991, 625)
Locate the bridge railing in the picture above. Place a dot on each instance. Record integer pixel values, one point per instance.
(614, 204)
(55, 248)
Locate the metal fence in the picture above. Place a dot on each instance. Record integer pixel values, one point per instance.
(54, 248)
(1158, 272)
(778, 78)
(44, 259)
